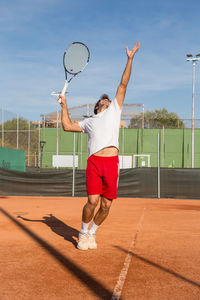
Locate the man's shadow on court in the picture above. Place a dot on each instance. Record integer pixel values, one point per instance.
(67, 232)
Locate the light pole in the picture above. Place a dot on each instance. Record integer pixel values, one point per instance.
(194, 61)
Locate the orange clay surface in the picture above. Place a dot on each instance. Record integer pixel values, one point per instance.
(160, 239)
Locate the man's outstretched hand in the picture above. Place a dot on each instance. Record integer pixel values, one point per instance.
(131, 53)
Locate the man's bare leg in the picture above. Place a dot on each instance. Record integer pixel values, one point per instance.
(100, 216)
(89, 208)
(87, 215)
(103, 211)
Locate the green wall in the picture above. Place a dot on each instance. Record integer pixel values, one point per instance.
(12, 159)
(175, 146)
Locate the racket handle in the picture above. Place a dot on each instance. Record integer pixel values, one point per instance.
(64, 90)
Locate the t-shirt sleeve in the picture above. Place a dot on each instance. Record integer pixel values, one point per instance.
(83, 124)
(116, 105)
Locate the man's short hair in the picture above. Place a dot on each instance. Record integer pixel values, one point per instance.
(104, 96)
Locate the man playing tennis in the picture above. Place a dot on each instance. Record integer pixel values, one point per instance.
(103, 163)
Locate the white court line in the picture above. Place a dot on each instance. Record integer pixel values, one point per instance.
(122, 277)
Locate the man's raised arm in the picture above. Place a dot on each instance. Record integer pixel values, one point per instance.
(67, 123)
(121, 91)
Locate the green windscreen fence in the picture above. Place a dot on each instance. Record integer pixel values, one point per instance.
(138, 147)
(153, 163)
(12, 159)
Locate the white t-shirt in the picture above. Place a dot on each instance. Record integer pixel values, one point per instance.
(103, 128)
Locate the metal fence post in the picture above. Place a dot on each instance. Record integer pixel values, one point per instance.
(2, 128)
(74, 153)
(163, 147)
(35, 159)
(158, 166)
(29, 141)
(57, 131)
(122, 147)
(17, 131)
(81, 156)
(39, 145)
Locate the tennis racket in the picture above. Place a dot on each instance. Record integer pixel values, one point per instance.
(75, 59)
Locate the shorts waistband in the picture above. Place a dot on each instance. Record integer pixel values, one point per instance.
(103, 157)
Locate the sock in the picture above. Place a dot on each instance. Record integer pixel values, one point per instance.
(84, 227)
(93, 228)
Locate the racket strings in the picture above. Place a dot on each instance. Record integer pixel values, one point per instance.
(76, 58)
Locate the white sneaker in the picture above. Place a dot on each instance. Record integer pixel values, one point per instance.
(83, 241)
(92, 241)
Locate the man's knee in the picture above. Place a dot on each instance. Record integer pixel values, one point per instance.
(106, 204)
(93, 200)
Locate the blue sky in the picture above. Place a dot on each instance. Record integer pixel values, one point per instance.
(35, 33)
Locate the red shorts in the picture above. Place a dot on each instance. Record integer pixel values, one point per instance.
(102, 176)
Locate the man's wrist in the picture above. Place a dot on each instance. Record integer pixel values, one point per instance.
(131, 58)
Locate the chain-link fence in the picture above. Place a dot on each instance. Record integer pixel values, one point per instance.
(47, 146)
(20, 134)
(138, 148)
(154, 162)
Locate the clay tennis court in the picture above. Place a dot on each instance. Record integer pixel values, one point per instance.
(147, 249)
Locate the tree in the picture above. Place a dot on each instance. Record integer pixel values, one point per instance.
(157, 119)
(10, 137)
